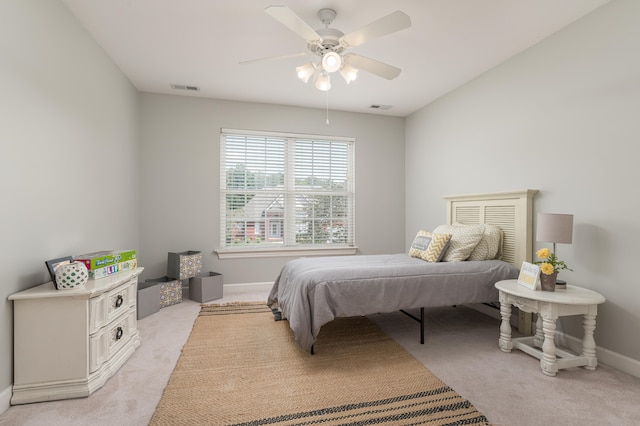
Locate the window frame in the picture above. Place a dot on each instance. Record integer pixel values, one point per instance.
(226, 251)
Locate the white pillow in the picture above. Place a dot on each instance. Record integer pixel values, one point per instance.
(464, 238)
(490, 244)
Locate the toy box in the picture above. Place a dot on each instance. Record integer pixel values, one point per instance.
(100, 259)
(95, 274)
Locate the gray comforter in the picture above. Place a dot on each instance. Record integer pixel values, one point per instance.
(311, 292)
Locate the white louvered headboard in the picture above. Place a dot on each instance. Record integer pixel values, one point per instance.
(511, 211)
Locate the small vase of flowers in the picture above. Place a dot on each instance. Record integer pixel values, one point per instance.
(550, 265)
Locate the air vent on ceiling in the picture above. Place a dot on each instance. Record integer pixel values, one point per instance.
(381, 107)
(185, 87)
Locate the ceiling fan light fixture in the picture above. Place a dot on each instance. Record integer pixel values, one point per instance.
(323, 82)
(328, 44)
(349, 73)
(331, 62)
(306, 71)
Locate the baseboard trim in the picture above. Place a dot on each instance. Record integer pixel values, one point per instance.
(5, 399)
(487, 310)
(247, 287)
(605, 356)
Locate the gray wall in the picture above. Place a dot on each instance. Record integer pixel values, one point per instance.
(180, 177)
(69, 161)
(562, 117)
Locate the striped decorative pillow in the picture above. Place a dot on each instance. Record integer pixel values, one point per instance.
(464, 238)
(429, 246)
(490, 244)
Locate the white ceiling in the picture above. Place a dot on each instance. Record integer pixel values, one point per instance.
(157, 43)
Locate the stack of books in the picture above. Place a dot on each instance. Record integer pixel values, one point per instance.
(102, 264)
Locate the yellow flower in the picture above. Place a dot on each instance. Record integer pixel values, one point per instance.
(546, 268)
(543, 253)
(549, 263)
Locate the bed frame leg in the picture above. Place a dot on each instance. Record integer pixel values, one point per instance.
(312, 350)
(420, 320)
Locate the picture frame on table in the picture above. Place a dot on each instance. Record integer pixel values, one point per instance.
(529, 276)
(52, 266)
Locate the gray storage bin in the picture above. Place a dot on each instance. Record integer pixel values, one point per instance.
(185, 289)
(148, 299)
(170, 290)
(206, 287)
(184, 265)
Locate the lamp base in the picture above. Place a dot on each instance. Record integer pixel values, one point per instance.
(562, 284)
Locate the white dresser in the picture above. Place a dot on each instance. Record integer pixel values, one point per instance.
(67, 343)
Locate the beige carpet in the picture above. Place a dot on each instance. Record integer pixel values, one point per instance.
(239, 366)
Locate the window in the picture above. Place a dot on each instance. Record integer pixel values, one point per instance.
(285, 192)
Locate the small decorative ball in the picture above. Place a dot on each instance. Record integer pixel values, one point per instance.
(71, 275)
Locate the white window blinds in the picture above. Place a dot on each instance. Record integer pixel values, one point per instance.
(286, 190)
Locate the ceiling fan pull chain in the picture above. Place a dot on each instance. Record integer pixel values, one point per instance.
(327, 92)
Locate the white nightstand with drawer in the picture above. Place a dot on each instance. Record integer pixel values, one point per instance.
(67, 343)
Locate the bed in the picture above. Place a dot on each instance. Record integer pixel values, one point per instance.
(310, 292)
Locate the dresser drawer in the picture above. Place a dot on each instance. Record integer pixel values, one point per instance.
(108, 341)
(107, 306)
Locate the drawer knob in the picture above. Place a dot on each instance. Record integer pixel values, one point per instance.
(119, 333)
(119, 301)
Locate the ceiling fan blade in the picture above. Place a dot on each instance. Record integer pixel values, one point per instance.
(286, 17)
(371, 65)
(386, 25)
(293, 55)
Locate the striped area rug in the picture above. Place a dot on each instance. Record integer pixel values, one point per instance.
(240, 367)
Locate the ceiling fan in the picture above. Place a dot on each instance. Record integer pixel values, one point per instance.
(329, 44)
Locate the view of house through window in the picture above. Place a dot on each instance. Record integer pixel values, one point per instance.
(286, 190)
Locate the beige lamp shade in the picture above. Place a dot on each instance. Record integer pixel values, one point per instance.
(555, 228)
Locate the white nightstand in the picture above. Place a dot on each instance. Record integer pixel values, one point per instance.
(550, 305)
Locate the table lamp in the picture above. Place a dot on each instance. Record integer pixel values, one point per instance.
(555, 228)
